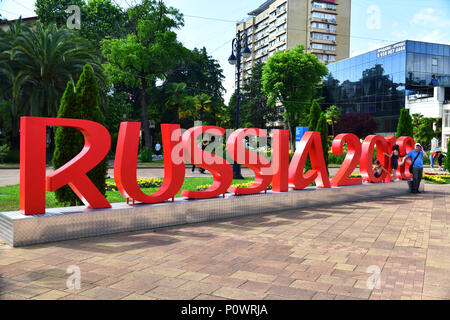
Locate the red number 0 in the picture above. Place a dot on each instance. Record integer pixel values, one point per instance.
(351, 160)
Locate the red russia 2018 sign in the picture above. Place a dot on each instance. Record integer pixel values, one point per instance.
(179, 147)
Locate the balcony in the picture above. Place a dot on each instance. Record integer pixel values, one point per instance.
(320, 30)
(323, 51)
(321, 20)
(323, 10)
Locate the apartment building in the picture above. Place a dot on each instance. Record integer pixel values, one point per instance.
(322, 26)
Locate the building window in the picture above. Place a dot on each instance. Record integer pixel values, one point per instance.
(324, 16)
(321, 36)
(434, 62)
(326, 57)
(282, 7)
(328, 6)
(446, 119)
(282, 37)
(323, 26)
(321, 46)
(283, 16)
(282, 27)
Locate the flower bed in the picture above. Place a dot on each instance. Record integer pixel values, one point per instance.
(437, 178)
(142, 183)
(238, 185)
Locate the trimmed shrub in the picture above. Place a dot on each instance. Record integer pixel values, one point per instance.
(404, 127)
(322, 127)
(82, 102)
(145, 155)
(314, 115)
(447, 159)
(4, 151)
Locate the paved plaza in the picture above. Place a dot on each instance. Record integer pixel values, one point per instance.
(317, 253)
(12, 176)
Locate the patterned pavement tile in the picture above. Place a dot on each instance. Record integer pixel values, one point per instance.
(389, 248)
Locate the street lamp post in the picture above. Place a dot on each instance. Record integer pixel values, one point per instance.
(235, 59)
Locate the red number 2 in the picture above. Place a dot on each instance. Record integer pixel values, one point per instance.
(351, 160)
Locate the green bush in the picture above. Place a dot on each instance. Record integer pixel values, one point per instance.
(322, 127)
(82, 102)
(404, 127)
(4, 150)
(145, 155)
(447, 159)
(314, 115)
(13, 156)
(336, 158)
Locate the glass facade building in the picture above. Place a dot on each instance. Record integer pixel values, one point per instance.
(379, 81)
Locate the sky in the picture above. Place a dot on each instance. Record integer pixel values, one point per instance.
(374, 24)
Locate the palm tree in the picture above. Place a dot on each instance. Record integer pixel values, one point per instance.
(49, 57)
(332, 115)
(202, 104)
(179, 100)
(12, 80)
(35, 65)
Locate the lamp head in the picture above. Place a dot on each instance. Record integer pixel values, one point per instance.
(232, 59)
(246, 53)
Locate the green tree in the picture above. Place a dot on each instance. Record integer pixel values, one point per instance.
(35, 65)
(68, 142)
(54, 11)
(447, 159)
(404, 127)
(81, 102)
(332, 114)
(146, 54)
(12, 100)
(424, 132)
(314, 115)
(292, 78)
(203, 76)
(322, 127)
(118, 108)
(49, 57)
(101, 19)
(423, 129)
(416, 119)
(179, 102)
(256, 110)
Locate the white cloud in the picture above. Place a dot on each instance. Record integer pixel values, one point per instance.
(429, 17)
(433, 36)
(370, 45)
(400, 34)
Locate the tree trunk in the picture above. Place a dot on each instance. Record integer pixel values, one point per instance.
(144, 114)
(291, 129)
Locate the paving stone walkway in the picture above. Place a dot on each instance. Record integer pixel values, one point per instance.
(319, 253)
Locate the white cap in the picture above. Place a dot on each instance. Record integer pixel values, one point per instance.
(418, 144)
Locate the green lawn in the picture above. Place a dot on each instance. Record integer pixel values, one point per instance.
(9, 196)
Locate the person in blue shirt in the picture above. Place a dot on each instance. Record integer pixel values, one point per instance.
(416, 156)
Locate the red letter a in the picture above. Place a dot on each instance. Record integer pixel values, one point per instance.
(312, 145)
